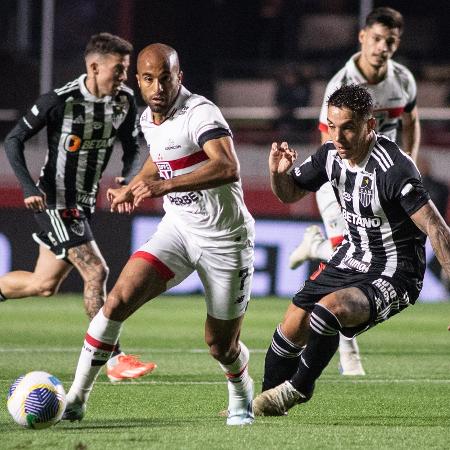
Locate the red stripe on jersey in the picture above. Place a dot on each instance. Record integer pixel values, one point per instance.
(392, 112)
(99, 344)
(188, 161)
(335, 241)
(323, 127)
(160, 267)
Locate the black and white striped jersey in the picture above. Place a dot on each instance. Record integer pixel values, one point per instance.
(81, 130)
(377, 198)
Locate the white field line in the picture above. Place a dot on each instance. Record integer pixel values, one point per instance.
(362, 381)
(129, 350)
(219, 383)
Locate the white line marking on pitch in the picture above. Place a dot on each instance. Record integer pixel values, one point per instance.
(131, 350)
(190, 383)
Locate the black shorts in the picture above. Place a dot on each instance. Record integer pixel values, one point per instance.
(62, 229)
(387, 296)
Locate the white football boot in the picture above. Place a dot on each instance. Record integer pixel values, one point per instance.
(240, 409)
(312, 238)
(349, 358)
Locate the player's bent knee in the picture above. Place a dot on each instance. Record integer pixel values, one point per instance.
(47, 288)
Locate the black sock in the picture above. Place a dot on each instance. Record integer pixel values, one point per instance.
(116, 350)
(282, 359)
(322, 344)
(2, 297)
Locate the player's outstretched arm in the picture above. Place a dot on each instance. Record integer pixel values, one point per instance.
(428, 219)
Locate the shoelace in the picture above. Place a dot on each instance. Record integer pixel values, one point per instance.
(133, 360)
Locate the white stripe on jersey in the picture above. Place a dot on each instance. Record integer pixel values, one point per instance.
(379, 147)
(27, 123)
(72, 85)
(84, 154)
(381, 161)
(107, 122)
(189, 169)
(101, 155)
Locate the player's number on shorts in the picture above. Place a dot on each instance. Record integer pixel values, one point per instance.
(243, 274)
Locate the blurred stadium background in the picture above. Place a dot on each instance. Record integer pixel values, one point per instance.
(236, 53)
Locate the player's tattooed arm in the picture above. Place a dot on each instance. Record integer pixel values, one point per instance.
(433, 225)
(92, 268)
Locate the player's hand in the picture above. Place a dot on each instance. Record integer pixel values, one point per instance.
(148, 189)
(121, 200)
(36, 202)
(281, 158)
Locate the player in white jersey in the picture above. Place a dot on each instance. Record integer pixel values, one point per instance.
(207, 228)
(394, 91)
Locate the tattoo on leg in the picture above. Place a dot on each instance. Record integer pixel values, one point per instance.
(94, 272)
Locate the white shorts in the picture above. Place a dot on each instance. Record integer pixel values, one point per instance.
(330, 211)
(224, 265)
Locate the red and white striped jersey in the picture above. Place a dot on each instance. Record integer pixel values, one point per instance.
(392, 96)
(176, 147)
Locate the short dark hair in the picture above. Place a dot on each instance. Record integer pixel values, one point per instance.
(388, 17)
(107, 43)
(354, 97)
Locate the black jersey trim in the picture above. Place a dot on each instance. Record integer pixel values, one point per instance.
(212, 134)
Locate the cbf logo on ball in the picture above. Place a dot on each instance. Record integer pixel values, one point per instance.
(365, 191)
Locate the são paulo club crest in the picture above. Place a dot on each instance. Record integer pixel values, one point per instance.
(365, 191)
(165, 171)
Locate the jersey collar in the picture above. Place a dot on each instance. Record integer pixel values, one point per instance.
(87, 95)
(361, 166)
(356, 74)
(180, 100)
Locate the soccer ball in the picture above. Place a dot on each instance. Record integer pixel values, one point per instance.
(36, 400)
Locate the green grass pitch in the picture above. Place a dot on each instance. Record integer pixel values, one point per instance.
(402, 403)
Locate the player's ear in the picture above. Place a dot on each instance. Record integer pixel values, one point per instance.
(138, 80)
(371, 124)
(93, 66)
(361, 35)
(180, 77)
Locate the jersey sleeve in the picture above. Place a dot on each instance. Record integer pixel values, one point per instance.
(33, 121)
(405, 186)
(128, 134)
(206, 122)
(311, 174)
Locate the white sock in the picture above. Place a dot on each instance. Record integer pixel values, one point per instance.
(348, 345)
(239, 382)
(323, 251)
(99, 343)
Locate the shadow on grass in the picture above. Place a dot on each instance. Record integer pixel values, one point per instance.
(131, 424)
